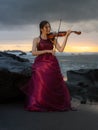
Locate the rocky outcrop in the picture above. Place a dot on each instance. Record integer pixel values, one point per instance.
(14, 72)
(83, 84)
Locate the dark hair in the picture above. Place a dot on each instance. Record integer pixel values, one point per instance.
(42, 24)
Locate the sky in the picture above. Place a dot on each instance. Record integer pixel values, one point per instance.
(19, 23)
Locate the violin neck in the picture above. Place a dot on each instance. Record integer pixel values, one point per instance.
(77, 32)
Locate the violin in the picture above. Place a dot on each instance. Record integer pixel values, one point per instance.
(60, 34)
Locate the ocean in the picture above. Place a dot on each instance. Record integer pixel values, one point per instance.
(72, 61)
(68, 61)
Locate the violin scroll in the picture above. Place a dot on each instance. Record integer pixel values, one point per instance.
(77, 32)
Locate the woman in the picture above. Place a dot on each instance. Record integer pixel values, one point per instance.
(46, 89)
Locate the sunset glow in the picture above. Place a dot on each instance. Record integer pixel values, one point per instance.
(81, 49)
(23, 46)
(27, 46)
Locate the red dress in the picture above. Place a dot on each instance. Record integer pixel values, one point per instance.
(46, 90)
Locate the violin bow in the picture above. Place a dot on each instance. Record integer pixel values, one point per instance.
(58, 31)
(59, 27)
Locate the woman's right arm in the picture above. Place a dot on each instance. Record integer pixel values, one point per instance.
(35, 52)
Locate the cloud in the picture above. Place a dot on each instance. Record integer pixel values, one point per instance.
(22, 12)
(18, 18)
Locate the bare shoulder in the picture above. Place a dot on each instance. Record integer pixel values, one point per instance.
(36, 40)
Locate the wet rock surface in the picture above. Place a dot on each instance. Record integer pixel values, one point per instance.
(83, 84)
(14, 72)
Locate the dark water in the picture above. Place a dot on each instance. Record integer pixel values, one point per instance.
(73, 61)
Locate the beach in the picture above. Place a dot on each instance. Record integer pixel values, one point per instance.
(64, 34)
(14, 117)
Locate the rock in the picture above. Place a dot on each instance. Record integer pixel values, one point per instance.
(83, 84)
(14, 72)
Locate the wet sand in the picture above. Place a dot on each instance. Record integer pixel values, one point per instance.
(14, 117)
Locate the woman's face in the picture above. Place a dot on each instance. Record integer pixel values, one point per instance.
(46, 29)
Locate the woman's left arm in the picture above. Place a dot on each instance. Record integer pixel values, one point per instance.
(61, 48)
